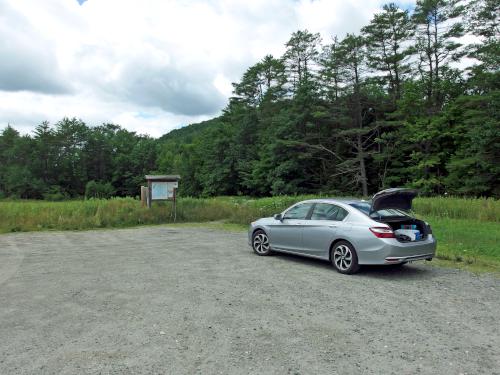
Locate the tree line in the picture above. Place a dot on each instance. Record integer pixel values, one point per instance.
(72, 159)
(404, 103)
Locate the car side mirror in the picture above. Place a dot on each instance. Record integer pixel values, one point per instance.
(278, 217)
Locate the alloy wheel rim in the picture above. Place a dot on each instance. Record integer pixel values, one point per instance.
(342, 256)
(261, 243)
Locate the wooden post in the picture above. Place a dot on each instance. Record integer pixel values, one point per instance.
(175, 205)
(150, 194)
(144, 196)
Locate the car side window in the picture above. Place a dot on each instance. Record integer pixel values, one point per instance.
(326, 211)
(341, 214)
(298, 212)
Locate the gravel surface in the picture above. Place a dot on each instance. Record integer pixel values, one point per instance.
(177, 300)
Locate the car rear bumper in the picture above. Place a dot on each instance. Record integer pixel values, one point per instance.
(411, 258)
(391, 251)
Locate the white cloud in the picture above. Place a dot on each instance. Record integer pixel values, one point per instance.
(149, 66)
(27, 59)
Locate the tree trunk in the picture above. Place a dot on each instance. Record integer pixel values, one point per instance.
(437, 95)
(362, 166)
(430, 84)
(359, 140)
(395, 47)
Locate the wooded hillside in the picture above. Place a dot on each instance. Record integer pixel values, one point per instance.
(404, 103)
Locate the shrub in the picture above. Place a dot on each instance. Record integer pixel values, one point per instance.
(97, 189)
(55, 194)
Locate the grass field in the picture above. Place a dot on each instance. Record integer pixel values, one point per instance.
(468, 230)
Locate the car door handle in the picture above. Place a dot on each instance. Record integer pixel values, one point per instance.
(333, 226)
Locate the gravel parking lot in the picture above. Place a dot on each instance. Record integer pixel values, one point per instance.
(177, 300)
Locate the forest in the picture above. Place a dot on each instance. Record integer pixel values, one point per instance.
(406, 102)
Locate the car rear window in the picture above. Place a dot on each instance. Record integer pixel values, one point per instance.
(388, 212)
(362, 206)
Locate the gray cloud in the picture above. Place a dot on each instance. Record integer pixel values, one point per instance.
(27, 61)
(149, 68)
(178, 91)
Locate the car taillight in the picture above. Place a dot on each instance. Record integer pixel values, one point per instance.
(382, 232)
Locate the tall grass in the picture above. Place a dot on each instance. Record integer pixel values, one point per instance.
(481, 209)
(101, 213)
(468, 230)
(121, 212)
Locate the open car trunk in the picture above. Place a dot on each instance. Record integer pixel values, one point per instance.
(400, 223)
(399, 202)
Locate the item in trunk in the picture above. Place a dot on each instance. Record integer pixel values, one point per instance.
(408, 226)
(408, 234)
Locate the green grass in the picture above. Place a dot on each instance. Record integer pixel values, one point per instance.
(459, 208)
(470, 244)
(468, 230)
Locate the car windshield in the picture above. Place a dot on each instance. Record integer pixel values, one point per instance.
(388, 212)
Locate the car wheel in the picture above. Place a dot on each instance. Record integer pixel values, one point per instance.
(260, 243)
(344, 258)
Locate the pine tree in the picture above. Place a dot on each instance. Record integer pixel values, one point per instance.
(387, 38)
(300, 57)
(438, 26)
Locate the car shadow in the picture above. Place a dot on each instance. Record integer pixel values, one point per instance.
(313, 262)
(407, 271)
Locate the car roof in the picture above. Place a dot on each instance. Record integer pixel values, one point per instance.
(336, 200)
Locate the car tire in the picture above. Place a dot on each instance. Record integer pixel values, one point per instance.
(344, 258)
(260, 243)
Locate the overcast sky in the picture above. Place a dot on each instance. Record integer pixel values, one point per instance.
(147, 65)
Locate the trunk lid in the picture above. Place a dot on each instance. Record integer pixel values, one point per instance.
(396, 198)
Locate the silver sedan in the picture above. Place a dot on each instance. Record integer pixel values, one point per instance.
(348, 232)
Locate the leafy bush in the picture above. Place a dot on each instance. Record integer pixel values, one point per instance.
(55, 194)
(97, 189)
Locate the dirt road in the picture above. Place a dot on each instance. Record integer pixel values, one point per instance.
(176, 300)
